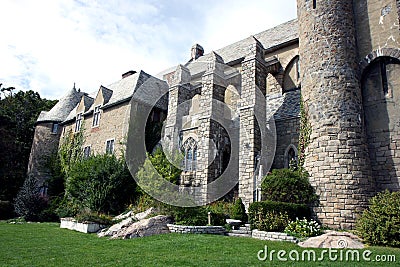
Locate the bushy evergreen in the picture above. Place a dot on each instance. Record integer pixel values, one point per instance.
(29, 202)
(380, 224)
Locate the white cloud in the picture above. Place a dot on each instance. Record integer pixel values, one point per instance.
(48, 45)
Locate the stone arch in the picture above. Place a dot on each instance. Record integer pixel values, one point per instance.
(382, 52)
(291, 75)
(291, 153)
(288, 58)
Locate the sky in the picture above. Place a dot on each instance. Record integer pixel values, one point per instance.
(48, 45)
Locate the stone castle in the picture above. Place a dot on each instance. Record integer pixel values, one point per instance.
(341, 56)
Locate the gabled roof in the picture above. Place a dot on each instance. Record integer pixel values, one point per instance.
(124, 88)
(63, 107)
(107, 93)
(87, 101)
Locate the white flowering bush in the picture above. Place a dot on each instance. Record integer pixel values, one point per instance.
(303, 228)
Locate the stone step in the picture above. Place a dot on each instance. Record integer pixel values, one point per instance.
(238, 235)
(242, 232)
(244, 228)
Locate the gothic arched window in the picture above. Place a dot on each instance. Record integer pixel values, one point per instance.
(291, 158)
(190, 154)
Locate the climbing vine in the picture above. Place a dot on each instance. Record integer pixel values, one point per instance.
(305, 133)
(70, 150)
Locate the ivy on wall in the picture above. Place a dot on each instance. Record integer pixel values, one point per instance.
(305, 133)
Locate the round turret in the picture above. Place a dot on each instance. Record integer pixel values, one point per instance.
(336, 157)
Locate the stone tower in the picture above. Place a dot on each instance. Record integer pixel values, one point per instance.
(336, 157)
(47, 134)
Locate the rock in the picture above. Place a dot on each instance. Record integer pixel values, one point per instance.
(147, 227)
(127, 220)
(138, 217)
(116, 227)
(145, 214)
(333, 239)
(123, 216)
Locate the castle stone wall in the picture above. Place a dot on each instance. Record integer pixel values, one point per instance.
(377, 25)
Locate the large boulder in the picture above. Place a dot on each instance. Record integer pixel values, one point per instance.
(114, 229)
(333, 239)
(127, 219)
(147, 227)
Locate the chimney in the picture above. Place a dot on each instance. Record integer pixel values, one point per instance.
(197, 51)
(127, 74)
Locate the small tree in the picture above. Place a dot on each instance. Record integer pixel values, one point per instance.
(239, 211)
(29, 202)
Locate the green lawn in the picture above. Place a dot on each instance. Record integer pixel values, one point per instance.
(47, 245)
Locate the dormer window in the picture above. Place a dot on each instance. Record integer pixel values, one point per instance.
(78, 122)
(96, 116)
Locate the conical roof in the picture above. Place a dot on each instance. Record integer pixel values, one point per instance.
(63, 107)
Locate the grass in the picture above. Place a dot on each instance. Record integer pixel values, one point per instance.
(45, 244)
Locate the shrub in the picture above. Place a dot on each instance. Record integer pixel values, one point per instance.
(188, 215)
(220, 211)
(101, 183)
(259, 210)
(303, 228)
(286, 185)
(29, 203)
(273, 222)
(239, 211)
(380, 223)
(88, 216)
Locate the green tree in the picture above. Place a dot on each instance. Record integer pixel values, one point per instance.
(18, 114)
(164, 167)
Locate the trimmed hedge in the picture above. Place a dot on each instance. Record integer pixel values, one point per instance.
(290, 186)
(259, 210)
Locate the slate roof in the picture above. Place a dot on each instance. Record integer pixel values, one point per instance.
(270, 38)
(284, 106)
(123, 90)
(63, 107)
